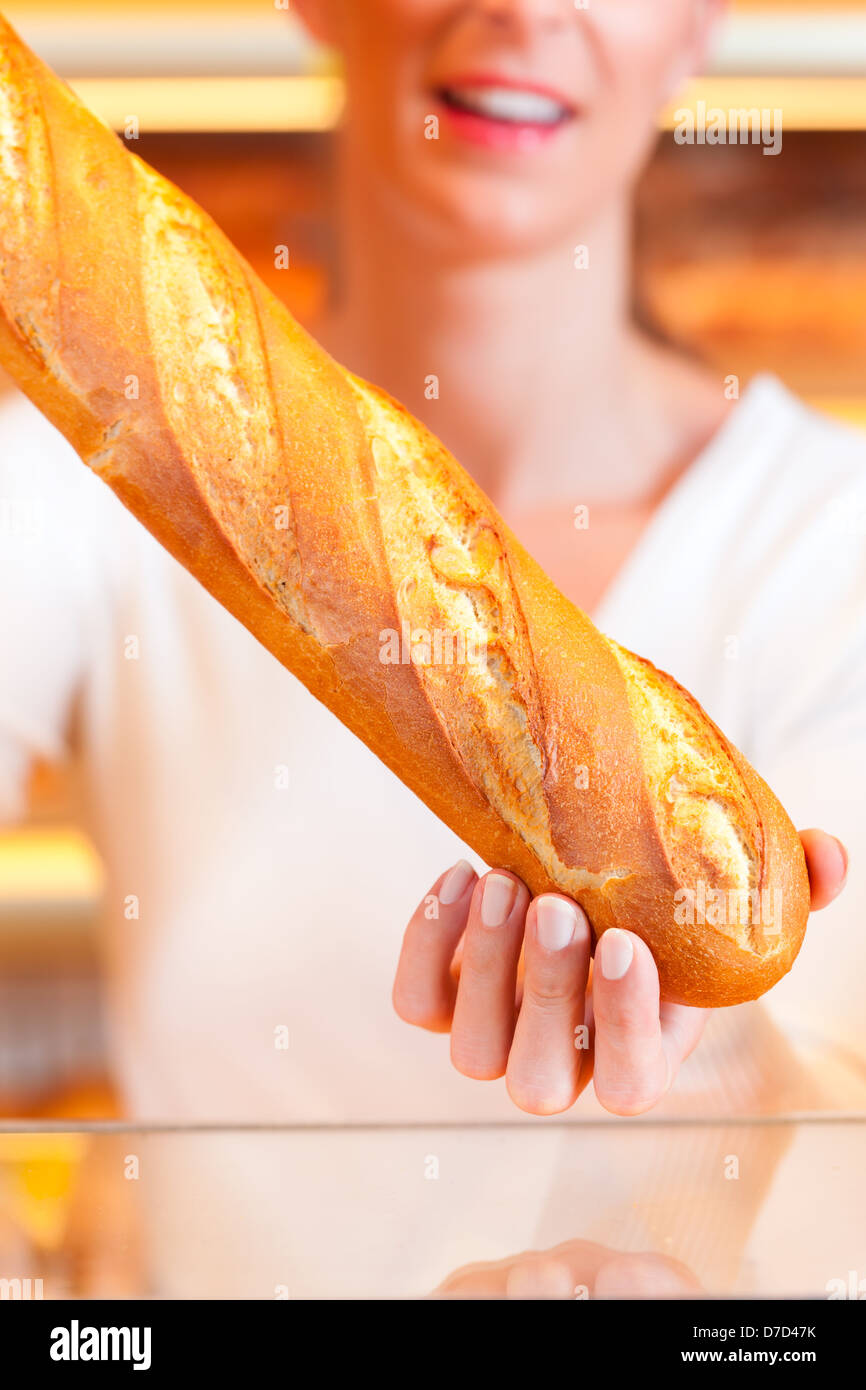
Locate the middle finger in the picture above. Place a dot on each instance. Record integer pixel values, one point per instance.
(549, 1041)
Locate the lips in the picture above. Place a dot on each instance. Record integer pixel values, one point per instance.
(501, 113)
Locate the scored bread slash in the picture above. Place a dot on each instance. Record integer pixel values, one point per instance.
(388, 584)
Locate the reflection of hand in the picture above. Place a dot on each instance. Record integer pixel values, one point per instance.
(535, 1019)
(576, 1269)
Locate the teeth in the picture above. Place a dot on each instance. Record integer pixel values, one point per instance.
(508, 104)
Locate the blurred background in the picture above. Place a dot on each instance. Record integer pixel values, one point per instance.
(757, 263)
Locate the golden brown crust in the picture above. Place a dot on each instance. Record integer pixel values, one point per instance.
(320, 514)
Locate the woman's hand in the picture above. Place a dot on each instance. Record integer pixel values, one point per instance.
(540, 1027)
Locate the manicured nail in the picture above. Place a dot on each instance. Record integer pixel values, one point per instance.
(555, 922)
(843, 851)
(497, 899)
(617, 953)
(456, 881)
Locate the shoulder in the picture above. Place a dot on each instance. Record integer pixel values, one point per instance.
(770, 529)
(28, 438)
(20, 418)
(785, 488)
(39, 469)
(810, 452)
(34, 456)
(801, 554)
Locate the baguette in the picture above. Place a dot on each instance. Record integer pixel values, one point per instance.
(345, 537)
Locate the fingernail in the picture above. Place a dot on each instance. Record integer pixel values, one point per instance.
(456, 881)
(497, 899)
(617, 953)
(843, 851)
(555, 922)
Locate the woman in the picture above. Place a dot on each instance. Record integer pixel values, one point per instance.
(247, 979)
(459, 261)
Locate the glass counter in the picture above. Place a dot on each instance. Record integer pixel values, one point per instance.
(764, 1207)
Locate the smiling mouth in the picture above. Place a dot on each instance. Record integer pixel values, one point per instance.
(507, 106)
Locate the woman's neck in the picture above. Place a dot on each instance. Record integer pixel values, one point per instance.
(528, 367)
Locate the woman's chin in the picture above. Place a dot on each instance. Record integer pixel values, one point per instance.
(479, 217)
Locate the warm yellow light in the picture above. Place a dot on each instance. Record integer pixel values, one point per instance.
(214, 103)
(851, 410)
(37, 1174)
(314, 103)
(806, 103)
(40, 865)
